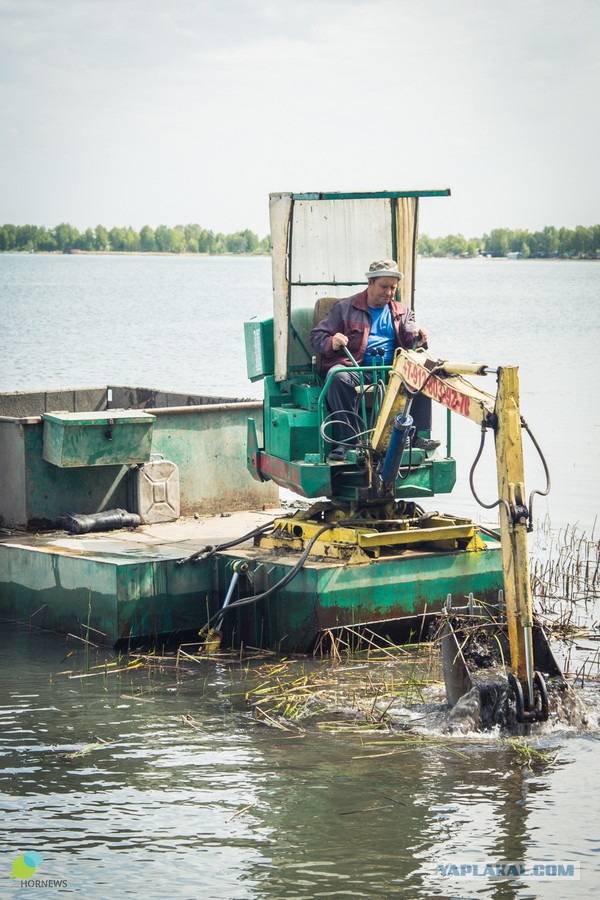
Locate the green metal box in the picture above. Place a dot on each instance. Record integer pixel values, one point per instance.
(292, 433)
(260, 359)
(105, 438)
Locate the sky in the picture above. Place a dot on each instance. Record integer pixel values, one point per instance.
(133, 112)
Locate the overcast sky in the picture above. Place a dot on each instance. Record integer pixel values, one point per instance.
(133, 112)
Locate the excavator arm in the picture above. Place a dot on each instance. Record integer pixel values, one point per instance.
(444, 382)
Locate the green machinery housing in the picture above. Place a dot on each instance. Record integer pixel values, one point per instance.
(322, 244)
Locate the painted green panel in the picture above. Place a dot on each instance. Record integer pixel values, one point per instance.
(160, 597)
(209, 447)
(306, 395)
(293, 433)
(52, 491)
(340, 594)
(97, 439)
(258, 336)
(107, 597)
(59, 592)
(103, 599)
(194, 440)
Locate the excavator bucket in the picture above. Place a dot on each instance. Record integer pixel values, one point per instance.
(476, 663)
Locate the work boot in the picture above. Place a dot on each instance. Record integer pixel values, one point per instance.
(339, 453)
(425, 444)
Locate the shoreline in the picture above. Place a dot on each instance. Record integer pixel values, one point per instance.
(246, 255)
(77, 252)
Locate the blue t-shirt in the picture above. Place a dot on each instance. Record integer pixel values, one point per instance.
(381, 335)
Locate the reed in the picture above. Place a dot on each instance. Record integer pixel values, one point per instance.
(565, 582)
(368, 690)
(528, 755)
(565, 574)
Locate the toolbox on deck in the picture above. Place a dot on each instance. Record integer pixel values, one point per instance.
(105, 438)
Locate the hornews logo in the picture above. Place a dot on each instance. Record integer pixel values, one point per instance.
(547, 869)
(24, 869)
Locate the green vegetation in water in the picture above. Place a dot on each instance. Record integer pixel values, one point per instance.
(351, 691)
(528, 755)
(565, 583)
(565, 571)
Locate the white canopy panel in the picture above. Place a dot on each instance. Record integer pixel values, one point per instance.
(334, 241)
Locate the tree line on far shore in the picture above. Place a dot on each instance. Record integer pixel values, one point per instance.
(582, 242)
(64, 238)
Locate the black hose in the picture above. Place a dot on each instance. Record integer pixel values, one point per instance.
(409, 468)
(209, 550)
(378, 394)
(283, 582)
(245, 601)
(353, 441)
(499, 502)
(543, 493)
(546, 472)
(417, 391)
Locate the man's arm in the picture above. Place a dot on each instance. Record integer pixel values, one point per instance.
(409, 332)
(327, 337)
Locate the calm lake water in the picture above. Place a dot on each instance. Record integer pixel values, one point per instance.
(226, 806)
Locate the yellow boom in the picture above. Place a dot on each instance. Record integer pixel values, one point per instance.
(444, 382)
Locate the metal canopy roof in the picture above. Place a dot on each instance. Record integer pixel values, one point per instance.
(359, 195)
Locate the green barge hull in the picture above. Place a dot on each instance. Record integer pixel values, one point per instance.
(132, 586)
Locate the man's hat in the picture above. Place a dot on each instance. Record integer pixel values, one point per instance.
(384, 268)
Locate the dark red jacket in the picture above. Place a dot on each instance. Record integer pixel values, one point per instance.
(351, 316)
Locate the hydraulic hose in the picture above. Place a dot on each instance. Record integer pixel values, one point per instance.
(540, 493)
(416, 391)
(352, 441)
(246, 601)
(498, 502)
(545, 492)
(283, 582)
(209, 550)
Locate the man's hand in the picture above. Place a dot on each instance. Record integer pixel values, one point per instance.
(339, 340)
(420, 336)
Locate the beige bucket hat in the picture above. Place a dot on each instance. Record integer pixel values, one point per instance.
(384, 268)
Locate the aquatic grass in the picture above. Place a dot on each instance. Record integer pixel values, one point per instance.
(105, 671)
(565, 570)
(364, 685)
(565, 581)
(161, 670)
(38, 610)
(241, 811)
(585, 671)
(528, 755)
(90, 748)
(406, 744)
(358, 693)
